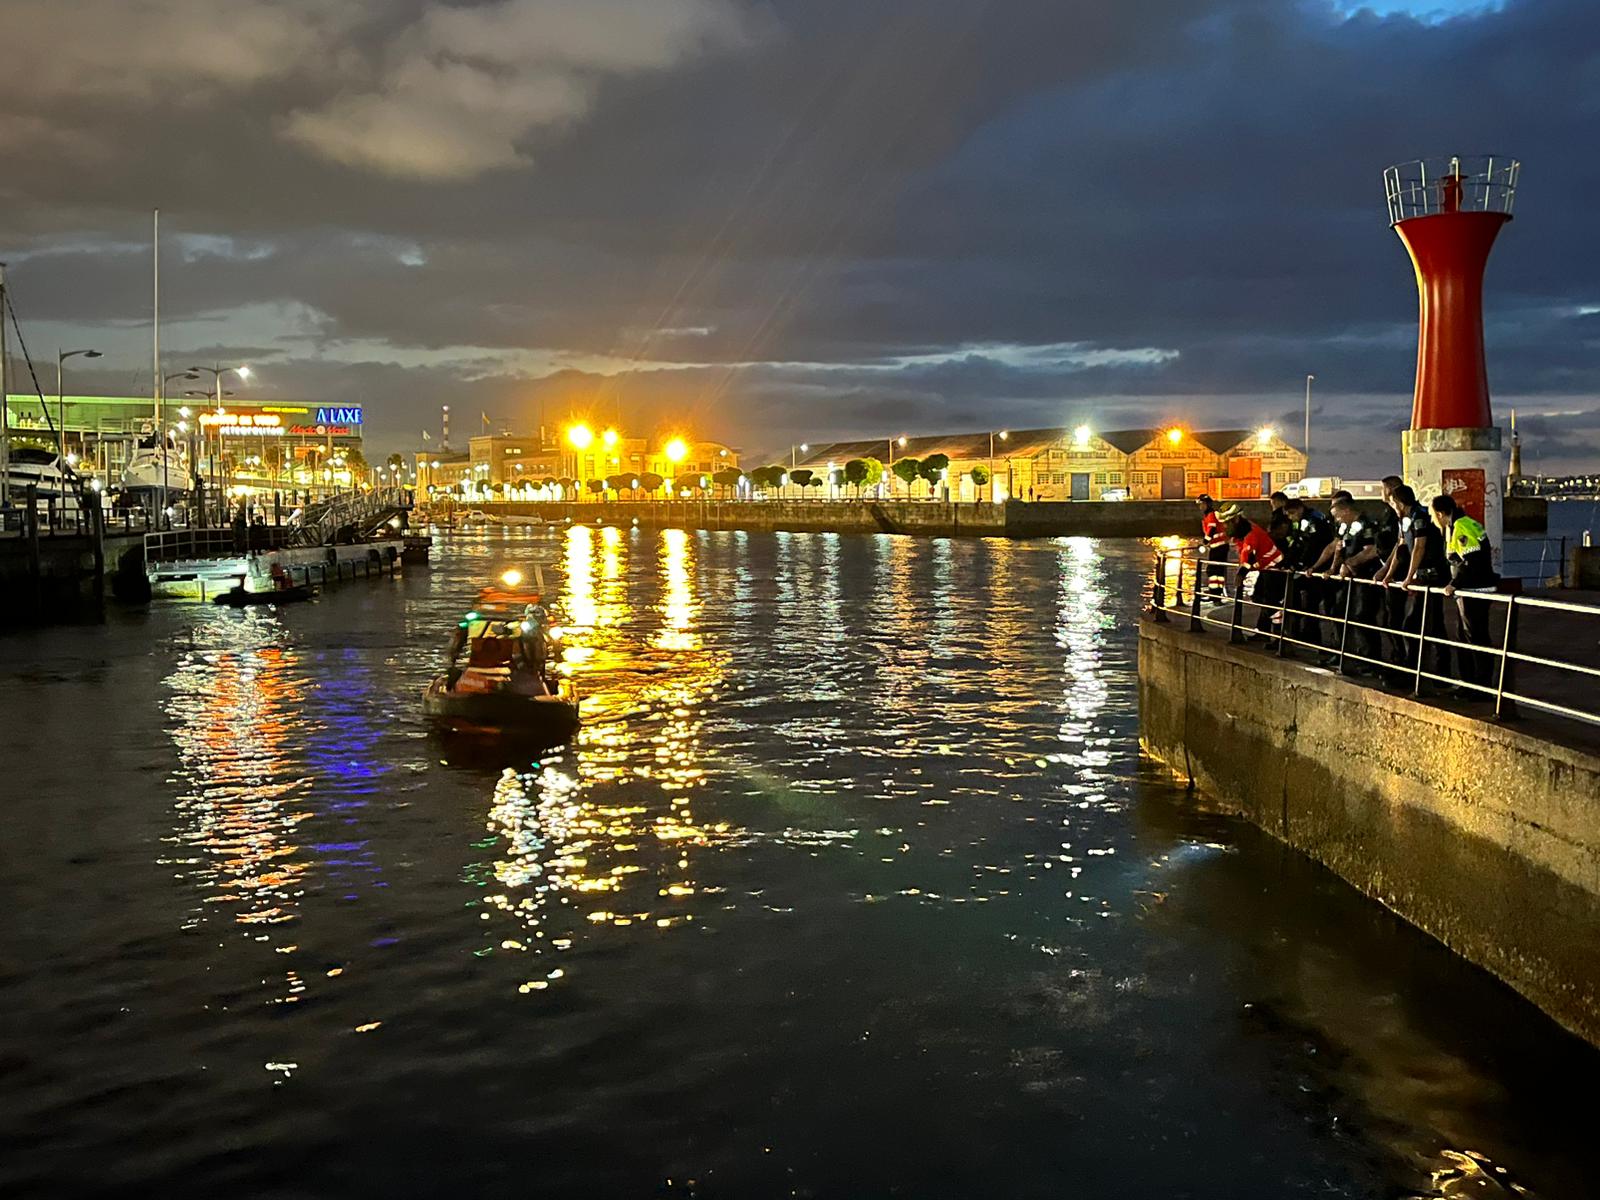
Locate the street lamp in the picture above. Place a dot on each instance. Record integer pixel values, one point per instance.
(1004, 435)
(217, 372)
(677, 450)
(901, 441)
(61, 404)
(1307, 447)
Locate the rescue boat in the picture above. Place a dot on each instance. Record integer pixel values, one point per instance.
(501, 692)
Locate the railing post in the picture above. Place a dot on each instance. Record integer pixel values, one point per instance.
(1422, 643)
(1158, 593)
(1505, 709)
(1344, 624)
(1238, 605)
(1195, 594)
(1283, 614)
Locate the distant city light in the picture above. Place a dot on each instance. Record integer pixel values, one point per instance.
(581, 436)
(677, 451)
(609, 437)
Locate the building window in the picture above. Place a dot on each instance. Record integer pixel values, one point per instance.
(1100, 477)
(1116, 476)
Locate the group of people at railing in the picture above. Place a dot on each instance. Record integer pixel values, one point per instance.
(1354, 583)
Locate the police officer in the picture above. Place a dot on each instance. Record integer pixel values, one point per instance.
(1391, 557)
(1310, 537)
(1425, 567)
(1355, 558)
(1471, 560)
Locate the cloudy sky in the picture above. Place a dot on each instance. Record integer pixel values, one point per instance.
(776, 220)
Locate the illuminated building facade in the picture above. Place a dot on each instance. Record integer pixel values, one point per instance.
(1081, 463)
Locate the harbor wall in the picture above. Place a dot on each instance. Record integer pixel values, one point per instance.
(1133, 518)
(1074, 518)
(1483, 836)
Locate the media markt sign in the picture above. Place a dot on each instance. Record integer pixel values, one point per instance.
(338, 416)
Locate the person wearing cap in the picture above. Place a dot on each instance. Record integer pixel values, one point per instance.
(1421, 565)
(1355, 557)
(1306, 550)
(1257, 551)
(1214, 544)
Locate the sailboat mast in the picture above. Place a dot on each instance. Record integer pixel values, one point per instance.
(5, 402)
(155, 358)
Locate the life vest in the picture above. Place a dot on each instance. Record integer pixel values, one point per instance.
(1211, 531)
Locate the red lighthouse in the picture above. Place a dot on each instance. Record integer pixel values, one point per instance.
(1448, 213)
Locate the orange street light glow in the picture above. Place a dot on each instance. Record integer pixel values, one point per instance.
(580, 436)
(609, 437)
(1174, 436)
(677, 451)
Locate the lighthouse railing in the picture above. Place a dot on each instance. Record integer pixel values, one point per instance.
(1425, 187)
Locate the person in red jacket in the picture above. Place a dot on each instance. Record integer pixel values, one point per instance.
(1258, 552)
(1213, 545)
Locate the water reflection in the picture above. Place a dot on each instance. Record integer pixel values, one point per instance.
(605, 834)
(235, 713)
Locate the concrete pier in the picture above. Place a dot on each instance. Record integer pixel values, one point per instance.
(1484, 836)
(200, 579)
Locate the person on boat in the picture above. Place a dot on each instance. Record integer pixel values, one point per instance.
(470, 628)
(537, 645)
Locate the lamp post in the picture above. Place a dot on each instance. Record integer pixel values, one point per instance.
(61, 403)
(1309, 378)
(217, 373)
(1004, 434)
(889, 465)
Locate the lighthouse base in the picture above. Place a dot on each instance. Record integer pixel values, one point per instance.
(1466, 463)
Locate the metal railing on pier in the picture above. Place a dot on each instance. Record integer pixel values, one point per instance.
(1509, 649)
(184, 545)
(320, 524)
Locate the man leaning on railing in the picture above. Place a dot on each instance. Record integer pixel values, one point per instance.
(1471, 570)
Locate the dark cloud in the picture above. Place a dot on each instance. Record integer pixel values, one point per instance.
(801, 218)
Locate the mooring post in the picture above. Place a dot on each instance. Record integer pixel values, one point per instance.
(97, 526)
(31, 499)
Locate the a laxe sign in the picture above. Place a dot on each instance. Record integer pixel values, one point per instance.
(338, 416)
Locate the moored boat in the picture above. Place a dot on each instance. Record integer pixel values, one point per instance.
(238, 597)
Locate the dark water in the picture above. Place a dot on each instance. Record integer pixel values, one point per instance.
(855, 886)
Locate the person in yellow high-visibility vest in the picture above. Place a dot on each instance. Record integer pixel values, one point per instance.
(1472, 570)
